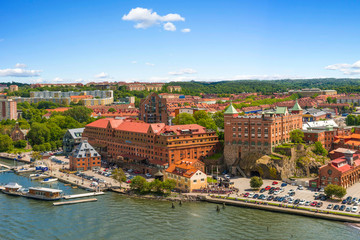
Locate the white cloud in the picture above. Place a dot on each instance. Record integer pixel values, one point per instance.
(146, 18)
(348, 69)
(20, 65)
(57, 79)
(169, 27)
(184, 71)
(134, 62)
(102, 75)
(19, 72)
(186, 30)
(150, 64)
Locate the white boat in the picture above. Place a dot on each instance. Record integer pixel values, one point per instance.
(37, 176)
(24, 170)
(49, 180)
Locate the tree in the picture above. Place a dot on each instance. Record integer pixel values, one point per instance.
(79, 113)
(36, 155)
(156, 186)
(319, 149)
(219, 119)
(20, 144)
(169, 185)
(138, 183)
(118, 175)
(112, 110)
(6, 143)
(38, 134)
(184, 118)
(335, 190)
(256, 182)
(297, 136)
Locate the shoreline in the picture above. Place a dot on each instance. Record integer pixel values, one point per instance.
(282, 208)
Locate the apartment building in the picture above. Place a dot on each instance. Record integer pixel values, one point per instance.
(8, 109)
(84, 157)
(156, 144)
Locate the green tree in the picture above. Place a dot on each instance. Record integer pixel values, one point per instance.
(138, 183)
(256, 182)
(169, 185)
(156, 186)
(112, 110)
(184, 118)
(38, 134)
(79, 113)
(6, 143)
(36, 155)
(297, 136)
(20, 144)
(119, 175)
(335, 190)
(219, 119)
(319, 149)
(273, 172)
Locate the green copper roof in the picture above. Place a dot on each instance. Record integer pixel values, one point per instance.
(281, 110)
(231, 110)
(296, 107)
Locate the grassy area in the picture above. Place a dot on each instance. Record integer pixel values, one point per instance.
(17, 150)
(275, 157)
(215, 156)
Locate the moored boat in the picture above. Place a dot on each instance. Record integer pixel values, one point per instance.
(41, 193)
(37, 176)
(12, 188)
(49, 180)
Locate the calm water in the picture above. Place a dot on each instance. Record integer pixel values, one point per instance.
(117, 217)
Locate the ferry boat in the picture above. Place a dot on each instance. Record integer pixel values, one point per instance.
(41, 193)
(49, 180)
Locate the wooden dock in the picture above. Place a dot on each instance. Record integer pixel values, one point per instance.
(83, 195)
(75, 202)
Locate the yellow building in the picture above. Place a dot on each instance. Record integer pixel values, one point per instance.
(187, 178)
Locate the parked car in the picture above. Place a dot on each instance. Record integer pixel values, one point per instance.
(276, 192)
(313, 204)
(246, 194)
(284, 184)
(342, 208)
(307, 203)
(300, 187)
(302, 202)
(256, 195)
(354, 209)
(297, 201)
(251, 195)
(291, 190)
(348, 209)
(330, 206)
(274, 182)
(291, 201)
(267, 188)
(292, 193)
(344, 201)
(148, 175)
(227, 177)
(319, 204)
(336, 207)
(262, 190)
(316, 194)
(270, 198)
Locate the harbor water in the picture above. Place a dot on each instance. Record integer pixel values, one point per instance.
(115, 216)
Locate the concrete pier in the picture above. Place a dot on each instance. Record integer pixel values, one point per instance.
(75, 202)
(83, 195)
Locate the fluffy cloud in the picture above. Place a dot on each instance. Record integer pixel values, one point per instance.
(146, 18)
(150, 64)
(57, 79)
(20, 65)
(186, 30)
(169, 27)
(348, 69)
(184, 71)
(19, 71)
(102, 75)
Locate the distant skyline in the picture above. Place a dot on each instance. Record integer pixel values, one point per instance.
(162, 41)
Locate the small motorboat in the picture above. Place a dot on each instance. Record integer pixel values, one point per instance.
(37, 176)
(49, 180)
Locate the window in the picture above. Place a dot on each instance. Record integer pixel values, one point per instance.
(195, 181)
(202, 179)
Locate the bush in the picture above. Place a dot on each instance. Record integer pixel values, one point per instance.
(335, 190)
(256, 182)
(20, 144)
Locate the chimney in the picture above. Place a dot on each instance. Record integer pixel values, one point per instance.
(349, 156)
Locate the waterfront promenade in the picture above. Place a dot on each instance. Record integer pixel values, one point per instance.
(282, 208)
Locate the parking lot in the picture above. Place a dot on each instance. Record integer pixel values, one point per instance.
(305, 196)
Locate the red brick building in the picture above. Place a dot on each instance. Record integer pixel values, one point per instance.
(349, 141)
(258, 132)
(343, 171)
(84, 157)
(153, 109)
(154, 144)
(8, 109)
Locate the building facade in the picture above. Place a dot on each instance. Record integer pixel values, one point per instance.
(13, 88)
(187, 178)
(8, 109)
(84, 157)
(71, 139)
(343, 171)
(258, 132)
(156, 144)
(153, 109)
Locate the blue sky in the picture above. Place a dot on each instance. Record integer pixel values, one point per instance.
(67, 41)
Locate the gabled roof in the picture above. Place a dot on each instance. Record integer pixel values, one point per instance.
(231, 110)
(84, 149)
(281, 110)
(76, 132)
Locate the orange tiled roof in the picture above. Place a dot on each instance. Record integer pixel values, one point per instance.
(60, 109)
(81, 97)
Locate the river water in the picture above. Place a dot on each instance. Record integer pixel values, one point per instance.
(117, 217)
